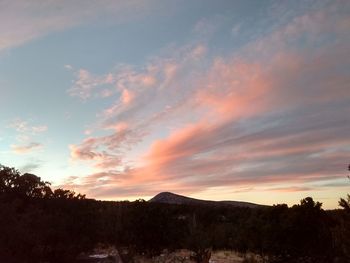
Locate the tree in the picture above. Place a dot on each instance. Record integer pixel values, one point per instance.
(27, 185)
(66, 194)
(8, 177)
(13, 183)
(308, 202)
(341, 232)
(199, 241)
(31, 185)
(345, 203)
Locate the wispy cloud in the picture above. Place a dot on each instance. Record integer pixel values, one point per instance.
(27, 148)
(23, 126)
(26, 132)
(24, 20)
(30, 167)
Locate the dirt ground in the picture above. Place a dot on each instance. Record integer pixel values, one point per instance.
(225, 257)
(179, 256)
(183, 256)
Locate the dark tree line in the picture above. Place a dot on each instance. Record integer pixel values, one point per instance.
(38, 224)
(13, 184)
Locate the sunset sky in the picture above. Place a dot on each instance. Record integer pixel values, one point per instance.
(223, 100)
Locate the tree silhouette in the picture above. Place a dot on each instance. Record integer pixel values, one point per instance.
(26, 185)
(66, 194)
(8, 177)
(31, 185)
(341, 232)
(13, 183)
(38, 224)
(308, 202)
(345, 203)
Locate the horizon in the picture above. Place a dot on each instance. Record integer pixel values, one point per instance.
(217, 100)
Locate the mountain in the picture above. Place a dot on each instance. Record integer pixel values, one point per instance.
(171, 198)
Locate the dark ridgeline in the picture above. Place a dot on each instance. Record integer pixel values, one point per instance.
(38, 224)
(171, 198)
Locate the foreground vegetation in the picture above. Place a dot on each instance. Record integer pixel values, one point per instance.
(38, 224)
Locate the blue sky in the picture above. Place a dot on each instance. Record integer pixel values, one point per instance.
(241, 100)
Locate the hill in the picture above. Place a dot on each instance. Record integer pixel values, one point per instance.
(171, 198)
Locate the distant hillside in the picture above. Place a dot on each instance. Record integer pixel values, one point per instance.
(171, 198)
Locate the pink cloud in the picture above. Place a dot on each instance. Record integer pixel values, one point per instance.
(24, 149)
(291, 189)
(125, 82)
(86, 84)
(85, 151)
(26, 25)
(26, 134)
(267, 115)
(22, 126)
(230, 88)
(127, 96)
(148, 80)
(89, 151)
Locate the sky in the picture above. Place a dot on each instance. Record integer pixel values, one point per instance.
(222, 100)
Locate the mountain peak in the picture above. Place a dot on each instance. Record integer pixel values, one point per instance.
(171, 198)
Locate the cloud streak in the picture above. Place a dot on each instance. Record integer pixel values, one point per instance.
(27, 148)
(26, 132)
(22, 126)
(22, 21)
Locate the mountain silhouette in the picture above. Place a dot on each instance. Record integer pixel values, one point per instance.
(171, 198)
